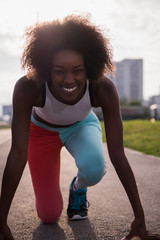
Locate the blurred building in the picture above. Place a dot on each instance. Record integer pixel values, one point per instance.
(154, 99)
(129, 79)
(7, 113)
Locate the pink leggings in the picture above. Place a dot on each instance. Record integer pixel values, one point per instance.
(83, 140)
(44, 163)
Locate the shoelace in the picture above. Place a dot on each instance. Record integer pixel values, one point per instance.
(80, 200)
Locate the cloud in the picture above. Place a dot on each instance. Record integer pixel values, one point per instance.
(9, 62)
(133, 26)
(11, 43)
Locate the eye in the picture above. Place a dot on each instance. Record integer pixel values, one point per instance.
(77, 71)
(58, 72)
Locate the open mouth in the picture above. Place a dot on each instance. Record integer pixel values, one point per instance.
(70, 89)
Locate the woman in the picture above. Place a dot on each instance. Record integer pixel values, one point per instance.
(52, 107)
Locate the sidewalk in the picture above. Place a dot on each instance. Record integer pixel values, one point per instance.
(110, 213)
(5, 135)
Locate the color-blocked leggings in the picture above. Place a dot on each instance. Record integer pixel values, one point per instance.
(83, 140)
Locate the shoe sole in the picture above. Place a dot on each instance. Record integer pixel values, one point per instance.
(77, 217)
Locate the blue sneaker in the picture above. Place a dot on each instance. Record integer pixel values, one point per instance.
(78, 204)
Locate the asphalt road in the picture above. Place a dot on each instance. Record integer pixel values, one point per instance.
(110, 213)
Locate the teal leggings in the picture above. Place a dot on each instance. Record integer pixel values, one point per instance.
(84, 142)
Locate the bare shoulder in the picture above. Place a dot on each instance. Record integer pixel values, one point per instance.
(26, 90)
(104, 92)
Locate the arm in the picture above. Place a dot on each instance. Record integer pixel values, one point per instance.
(109, 101)
(17, 157)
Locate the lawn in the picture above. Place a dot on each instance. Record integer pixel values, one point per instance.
(4, 126)
(141, 135)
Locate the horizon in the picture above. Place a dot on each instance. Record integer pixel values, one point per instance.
(132, 25)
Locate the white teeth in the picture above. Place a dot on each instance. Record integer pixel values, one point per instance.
(69, 89)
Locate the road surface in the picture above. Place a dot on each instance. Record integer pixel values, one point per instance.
(110, 213)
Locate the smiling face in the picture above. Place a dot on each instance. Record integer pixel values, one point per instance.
(68, 76)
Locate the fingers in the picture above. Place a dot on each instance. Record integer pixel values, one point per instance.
(153, 237)
(132, 238)
(148, 237)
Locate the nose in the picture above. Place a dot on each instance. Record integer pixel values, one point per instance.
(68, 79)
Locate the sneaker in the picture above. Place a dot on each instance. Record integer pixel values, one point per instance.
(78, 204)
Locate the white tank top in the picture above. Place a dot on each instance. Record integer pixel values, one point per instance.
(58, 113)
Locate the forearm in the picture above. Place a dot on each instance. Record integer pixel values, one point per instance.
(11, 177)
(127, 178)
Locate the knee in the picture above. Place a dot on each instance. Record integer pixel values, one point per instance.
(50, 212)
(50, 216)
(95, 174)
(94, 171)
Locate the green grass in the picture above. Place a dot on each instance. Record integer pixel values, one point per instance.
(4, 126)
(141, 135)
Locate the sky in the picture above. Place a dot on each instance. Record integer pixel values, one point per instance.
(132, 25)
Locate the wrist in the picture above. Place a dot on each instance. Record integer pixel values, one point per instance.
(140, 218)
(139, 212)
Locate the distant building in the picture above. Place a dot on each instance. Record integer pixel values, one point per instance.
(154, 99)
(129, 79)
(7, 111)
